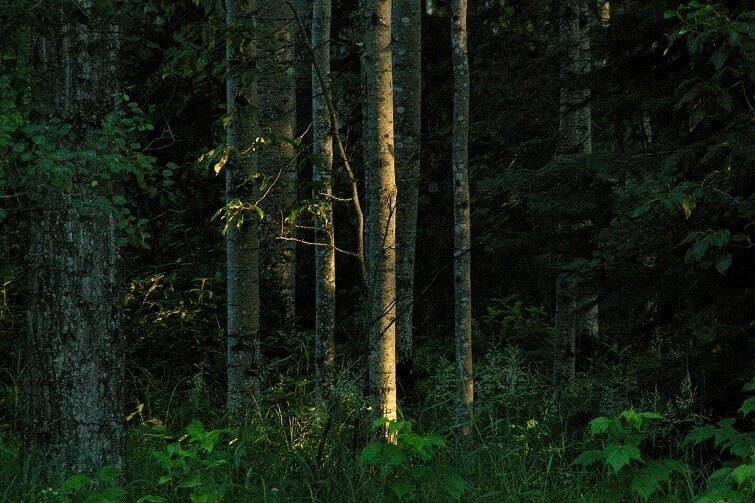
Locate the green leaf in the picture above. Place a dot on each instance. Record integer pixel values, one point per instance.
(370, 453)
(76, 483)
(151, 499)
(723, 263)
(688, 204)
(743, 473)
(632, 419)
(618, 455)
(589, 457)
(454, 485)
(719, 58)
(697, 115)
(599, 425)
(645, 485)
(195, 428)
(402, 487)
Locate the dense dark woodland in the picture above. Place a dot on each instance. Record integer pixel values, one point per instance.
(187, 313)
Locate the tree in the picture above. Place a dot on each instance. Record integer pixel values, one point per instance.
(575, 139)
(242, 248)
(462, 230)
(322, 181)
(380, 194)
(407, 98)
(277, 163)
(75, 348)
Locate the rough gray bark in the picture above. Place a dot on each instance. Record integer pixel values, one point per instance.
(74, 419)
(407, 98)
(462, 227)
(277, 107)
(242, 252)
(322, 180)
(380, 194)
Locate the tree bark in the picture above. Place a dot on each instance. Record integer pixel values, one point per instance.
(242, 251)
(407, 99)
(74, 419)
(322, 180)
(462, 230)
(575, 138)
(380, 193)
(277, 107)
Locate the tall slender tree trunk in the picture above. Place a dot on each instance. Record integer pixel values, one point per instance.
(242, 251)
(573, 305)
(462, 227)
(322, 180)
(277, 107)
(407, 98)
(74, 374)
(380, 193)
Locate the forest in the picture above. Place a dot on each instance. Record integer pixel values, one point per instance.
(377, 251)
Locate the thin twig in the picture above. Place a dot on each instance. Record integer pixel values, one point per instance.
(341, 151)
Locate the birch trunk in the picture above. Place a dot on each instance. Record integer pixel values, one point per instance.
(322, 180)
(575, 138)
(277, 108)
(242, 252)
(407, 98)
(380, 193)
(74, 419)
(462, 228)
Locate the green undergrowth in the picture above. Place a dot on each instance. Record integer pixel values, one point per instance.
(296, 446)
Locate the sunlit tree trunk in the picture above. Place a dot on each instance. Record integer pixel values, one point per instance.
(277, 109)
(74, 419)
(322, 180)
(407, 98)
(462, 228)
(242, 252)
(380, 193)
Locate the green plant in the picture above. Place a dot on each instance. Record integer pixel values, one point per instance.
(100, 487)
(624, 474)
(194, 468)
(734, 482)
(410, 465)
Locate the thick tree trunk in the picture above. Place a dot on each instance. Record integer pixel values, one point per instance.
(242, 252)
(75, 349)
(322, 180)
(277, 107)
(407, 98)
(380, 193)
(462, 230)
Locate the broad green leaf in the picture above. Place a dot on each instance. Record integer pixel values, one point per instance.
(617, 456)
(76, 483)
(743, 473)
(370, 453)
(589, 457)
(748, 406)
(645, 485)
(600, 425)
(723, 263)
(195, 428)
(402, 487)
